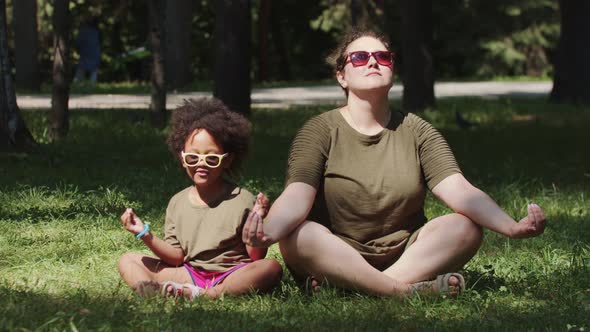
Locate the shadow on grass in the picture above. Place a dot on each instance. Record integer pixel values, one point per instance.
(31, 309)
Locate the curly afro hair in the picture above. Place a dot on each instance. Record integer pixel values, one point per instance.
(230, 129)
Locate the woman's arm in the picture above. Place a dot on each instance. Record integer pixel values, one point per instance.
(287, 212)
(165, 251)
(461, 196)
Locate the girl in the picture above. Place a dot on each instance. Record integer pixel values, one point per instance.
(202, 253)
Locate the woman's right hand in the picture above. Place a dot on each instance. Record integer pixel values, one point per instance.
(131, 222)
(253, 231)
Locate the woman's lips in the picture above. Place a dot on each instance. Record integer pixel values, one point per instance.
(373, 73)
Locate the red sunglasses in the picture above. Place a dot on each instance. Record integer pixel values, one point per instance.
(360, 58)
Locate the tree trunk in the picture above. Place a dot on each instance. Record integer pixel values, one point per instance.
(416, 60)
(25, 39)
(264, 13)
(14, 134)
(157, 41)
(358, 14)
(571, 80)
(179, 14)
(278, 40)
(232, 54)
(60, 91)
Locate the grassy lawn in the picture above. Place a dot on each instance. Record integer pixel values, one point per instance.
(60, 237)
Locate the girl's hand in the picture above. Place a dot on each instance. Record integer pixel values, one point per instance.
(253, 232)
(531, 225)
(261, 205)
(131, 222)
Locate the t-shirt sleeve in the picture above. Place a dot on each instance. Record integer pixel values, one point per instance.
(436, 157)
(308, 153)
(170, 225)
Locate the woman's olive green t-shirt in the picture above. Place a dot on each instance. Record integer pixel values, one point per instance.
(371, 189)
(209, 236)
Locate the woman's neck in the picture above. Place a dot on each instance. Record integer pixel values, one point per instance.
(367, 114)
(208, 195)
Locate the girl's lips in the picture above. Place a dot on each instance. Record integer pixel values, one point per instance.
(202, 172)
(373, 73)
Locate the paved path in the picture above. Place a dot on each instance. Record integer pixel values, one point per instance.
(285, 97)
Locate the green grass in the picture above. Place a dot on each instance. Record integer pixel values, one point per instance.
(60, 236)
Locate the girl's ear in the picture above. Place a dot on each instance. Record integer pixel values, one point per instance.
(341, 79)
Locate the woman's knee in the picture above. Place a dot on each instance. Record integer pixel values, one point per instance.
(470, 233)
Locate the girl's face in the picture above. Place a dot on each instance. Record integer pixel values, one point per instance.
(370, 76)
(202, 170)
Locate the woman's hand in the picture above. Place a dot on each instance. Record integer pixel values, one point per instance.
(253, 232)
(531, 225)
(131, 222)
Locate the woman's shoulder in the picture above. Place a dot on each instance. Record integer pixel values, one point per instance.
(412, 121)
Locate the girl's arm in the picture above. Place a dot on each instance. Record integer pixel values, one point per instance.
(165, 251)
(287, 212)
(256, 253)
(461, 196)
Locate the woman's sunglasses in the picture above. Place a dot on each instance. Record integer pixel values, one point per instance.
(360, 58)
(211, 160)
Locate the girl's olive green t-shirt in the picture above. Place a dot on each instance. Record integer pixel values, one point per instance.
(371, 189)
(210, 236)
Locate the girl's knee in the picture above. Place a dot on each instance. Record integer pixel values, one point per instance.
(128, 261)
(273, 270)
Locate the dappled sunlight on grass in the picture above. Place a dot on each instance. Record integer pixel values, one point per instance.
(61, 237)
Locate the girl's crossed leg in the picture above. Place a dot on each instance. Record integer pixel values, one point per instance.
(147, 274)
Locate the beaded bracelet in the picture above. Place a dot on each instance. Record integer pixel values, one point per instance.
(146, 229)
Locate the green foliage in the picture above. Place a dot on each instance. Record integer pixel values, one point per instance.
(60, 235)
(471, 38)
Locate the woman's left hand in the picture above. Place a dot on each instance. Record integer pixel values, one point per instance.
(531, 225)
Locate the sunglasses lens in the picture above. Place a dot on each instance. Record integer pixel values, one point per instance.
(212, 161)
(359, 58)
(191, 159)
(384, 58)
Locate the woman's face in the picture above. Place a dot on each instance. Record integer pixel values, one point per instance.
(202, 142)
(369, 77)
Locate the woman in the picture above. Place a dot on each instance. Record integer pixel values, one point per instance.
(352, 210)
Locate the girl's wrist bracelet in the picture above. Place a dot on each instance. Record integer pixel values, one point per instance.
(146, 229)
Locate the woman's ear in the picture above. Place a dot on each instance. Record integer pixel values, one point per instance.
(341, 79)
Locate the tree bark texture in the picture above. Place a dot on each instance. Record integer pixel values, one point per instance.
(179, 14)
(26, 44)
(417, 69)
(60, 91)
(158, 77)
(264, 12)
(571, 81)
(14, 134)
(280, 45)
(232, 54)
(358, 14)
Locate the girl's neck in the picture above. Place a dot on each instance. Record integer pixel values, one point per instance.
(208, 195)
(367, 114)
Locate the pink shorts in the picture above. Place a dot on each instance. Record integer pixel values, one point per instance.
(208, 279)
